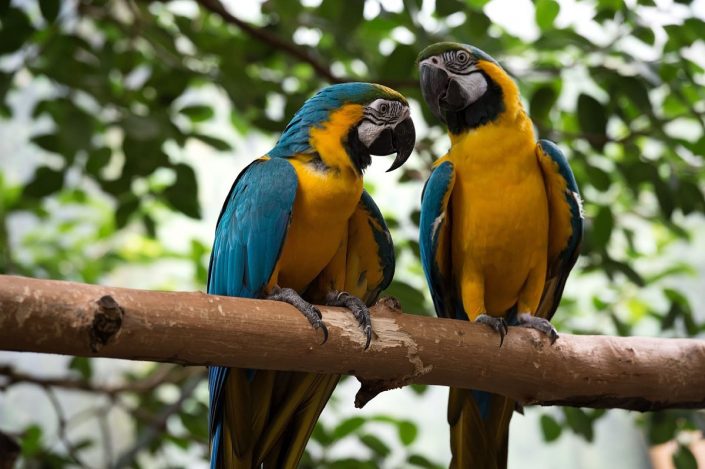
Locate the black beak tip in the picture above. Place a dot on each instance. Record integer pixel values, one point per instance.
(404, 141)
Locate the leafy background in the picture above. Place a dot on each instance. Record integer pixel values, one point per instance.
(123, 124)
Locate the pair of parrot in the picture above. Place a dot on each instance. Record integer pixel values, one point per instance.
(500, 229)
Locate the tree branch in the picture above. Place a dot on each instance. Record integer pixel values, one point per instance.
(167, 374)
(158, 426)
(262, 35)
(299, 53)
(198, 329)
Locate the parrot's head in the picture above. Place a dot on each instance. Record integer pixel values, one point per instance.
(364, 118)
(465, 87)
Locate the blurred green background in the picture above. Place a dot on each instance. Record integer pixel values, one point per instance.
(123, 124)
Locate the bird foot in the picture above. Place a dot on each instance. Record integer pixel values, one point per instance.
(313, 314)
(540, 324)
(357, 307)
(498, 324)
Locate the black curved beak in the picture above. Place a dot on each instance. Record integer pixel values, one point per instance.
(434, 86)
(399, 140)
(441, 92)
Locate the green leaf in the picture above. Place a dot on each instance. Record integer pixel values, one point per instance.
(50, 9)
(378, 447)
(684, 459)
(48, 142)
(97, 160)
(592, 118)
(83, 366)
(550, 427)
(448, 7)
(16, 28)
(546, 13)
(407, 432)
(322, 435)
(598, 178)
(637, 92)
(418, 460)
(126, 208)
(31, 440)
(602, 226)
(579, 422)
(541, 102)
(183, 194)
(477, 4)
(645, 35)
(347, 426)
(195, 424)
(216, 143)
(662, 427)
(46, 182)
(400, 64)
(197, 112)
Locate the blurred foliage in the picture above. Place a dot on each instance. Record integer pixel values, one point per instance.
(119, 88)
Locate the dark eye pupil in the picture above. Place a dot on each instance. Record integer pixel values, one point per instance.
(462, 57)
(383, 108)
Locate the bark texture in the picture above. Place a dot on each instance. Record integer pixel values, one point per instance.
(197, 329)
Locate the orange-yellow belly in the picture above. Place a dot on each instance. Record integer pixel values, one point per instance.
(499, 233)
(324, 203)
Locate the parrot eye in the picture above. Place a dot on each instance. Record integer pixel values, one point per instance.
(384, 108)
(462, 57)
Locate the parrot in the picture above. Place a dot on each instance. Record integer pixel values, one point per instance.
(298, 227)
(500, 227)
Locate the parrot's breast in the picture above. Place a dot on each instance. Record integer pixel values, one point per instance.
(325, 202)
(499, 222)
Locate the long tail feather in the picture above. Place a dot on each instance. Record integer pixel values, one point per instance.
(479, 429)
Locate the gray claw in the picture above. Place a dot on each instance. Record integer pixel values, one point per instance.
(357, 307)
(499, 325)
(540, 324)
(313, 314)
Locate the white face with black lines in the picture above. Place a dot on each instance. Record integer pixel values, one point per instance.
(460, 67)
(380, 114)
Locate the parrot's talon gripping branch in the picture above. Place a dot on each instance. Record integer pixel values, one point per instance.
(540, 324)
(358, 309)
(499, 325)
(313, 314)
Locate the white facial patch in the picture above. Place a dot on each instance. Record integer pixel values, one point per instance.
(368, 132)
(473, 85)
(380, 114)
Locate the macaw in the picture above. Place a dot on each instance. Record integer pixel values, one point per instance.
(500, 228)
(298, 227)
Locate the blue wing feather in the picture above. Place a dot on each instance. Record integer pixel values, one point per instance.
(433, 226)
(559, 268)
(385, 246)
(248, 240)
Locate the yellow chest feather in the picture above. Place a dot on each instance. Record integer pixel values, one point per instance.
(325, 201)
(499, 213)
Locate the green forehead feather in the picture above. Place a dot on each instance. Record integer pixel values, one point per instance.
(390, 93)
(440, 47)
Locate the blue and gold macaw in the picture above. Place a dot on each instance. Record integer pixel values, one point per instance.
(298, 227)
(500, 230)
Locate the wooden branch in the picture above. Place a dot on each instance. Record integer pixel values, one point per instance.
(198, 329)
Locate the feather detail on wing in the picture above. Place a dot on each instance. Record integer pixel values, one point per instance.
(248, 240)
(434, 240)
(565, 213)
